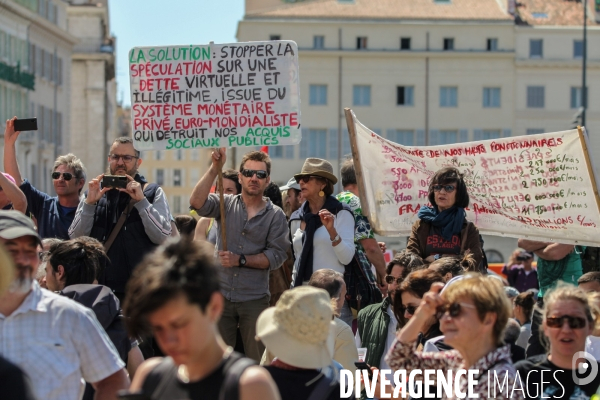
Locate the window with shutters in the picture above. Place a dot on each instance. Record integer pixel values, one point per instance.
(160, 176)
(405, 96)
(361, 43)
(447, 137)
(405, 43)
(318, 42)
(491, 97)
(536, 48)
(317, 95)
(176, 177)
(448, 43)
(492, 44)
(361, 95)
(535, 96)
(402, 136)
(448, 96)
(577, 48)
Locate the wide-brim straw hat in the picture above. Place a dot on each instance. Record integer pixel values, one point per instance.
(299, 329)
(317, 167)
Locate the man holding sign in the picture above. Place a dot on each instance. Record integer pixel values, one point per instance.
(257, 235)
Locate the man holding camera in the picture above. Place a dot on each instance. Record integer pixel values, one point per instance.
(522, 276)
(131, 217)
(54, 215)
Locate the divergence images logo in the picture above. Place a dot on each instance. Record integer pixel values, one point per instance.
(588, 367)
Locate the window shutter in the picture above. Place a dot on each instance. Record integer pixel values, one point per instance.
(506, 133)
(390, 134)
(477, 134)
(377, 131)
(434, 137)
(304, 144)
(346, 149)
(289, 151)
(333, 143)
(420, 137)
(463, 135)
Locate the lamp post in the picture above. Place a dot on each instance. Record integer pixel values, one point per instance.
(583, 72)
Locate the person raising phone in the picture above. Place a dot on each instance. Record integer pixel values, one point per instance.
(141, 206)
(53, 214)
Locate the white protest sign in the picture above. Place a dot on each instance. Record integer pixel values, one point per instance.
(539, 187)
(216, 95)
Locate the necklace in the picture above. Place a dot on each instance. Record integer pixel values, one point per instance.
(183, 373)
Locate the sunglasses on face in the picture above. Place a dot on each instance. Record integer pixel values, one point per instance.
(410, 310)
(390, 279)
(126, 158)
(305, 178)
(558, 322)
(453, 309)
(67, 176)
(260, 174)
(447, 188)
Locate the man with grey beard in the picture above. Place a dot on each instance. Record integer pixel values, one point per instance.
(48, 336)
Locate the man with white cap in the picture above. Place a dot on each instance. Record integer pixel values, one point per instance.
(298, 331)
(293, 200)
(50, 337)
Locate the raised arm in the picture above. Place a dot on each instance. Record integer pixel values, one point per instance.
(202, 188)
(14, 194)
(555, 251)
(11, 166)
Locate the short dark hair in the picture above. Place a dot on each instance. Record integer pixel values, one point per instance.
(416, 283)
(178, 267)
(127, 140)
(233, 176)
(274, 194)
(589, 277)
(259, 156)
(512, 332)
(329, 280)
(348, 173)
(450, 175)
(186, 224)
(82, 258)
(410, 262)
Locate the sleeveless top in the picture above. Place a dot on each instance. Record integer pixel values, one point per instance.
(211, 232)
(207, 388)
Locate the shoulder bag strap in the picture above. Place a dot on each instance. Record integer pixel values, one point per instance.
(118, 226)
(230, 389)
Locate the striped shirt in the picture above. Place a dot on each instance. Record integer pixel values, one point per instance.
(58, 343)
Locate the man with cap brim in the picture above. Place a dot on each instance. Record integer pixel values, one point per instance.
(293, 200)
(32, 318)
(522, 276)
(298, 331)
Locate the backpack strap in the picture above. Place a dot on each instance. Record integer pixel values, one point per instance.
(323, 389)
(230, 389)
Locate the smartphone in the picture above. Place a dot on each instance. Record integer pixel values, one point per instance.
(114, 181)
(364, 365)
(26, 124)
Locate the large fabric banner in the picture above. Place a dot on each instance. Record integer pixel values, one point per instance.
(215, 95)
(540, 187)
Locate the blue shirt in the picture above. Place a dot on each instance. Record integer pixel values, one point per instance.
(53, 220)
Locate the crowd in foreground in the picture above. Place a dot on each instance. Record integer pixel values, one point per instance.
(103, 294)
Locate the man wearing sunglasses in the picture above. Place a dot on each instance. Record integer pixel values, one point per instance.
(143, 205)
(257, 242)
(54, 215)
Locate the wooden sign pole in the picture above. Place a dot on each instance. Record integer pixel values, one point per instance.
(364, 204)
(222, 207)
(589, 165)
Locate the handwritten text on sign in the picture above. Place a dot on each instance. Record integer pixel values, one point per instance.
(218, 95)
(535, 186)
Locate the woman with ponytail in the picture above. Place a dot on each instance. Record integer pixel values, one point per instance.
(442, 229)
(452, 267)
(523, 310)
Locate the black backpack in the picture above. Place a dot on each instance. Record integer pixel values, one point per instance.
(361, 291)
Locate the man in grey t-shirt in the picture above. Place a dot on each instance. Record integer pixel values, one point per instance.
(257, 242)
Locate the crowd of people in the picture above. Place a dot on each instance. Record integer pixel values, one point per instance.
(271, 292)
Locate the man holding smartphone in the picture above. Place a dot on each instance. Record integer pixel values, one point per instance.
(142, 206)
(53, 214)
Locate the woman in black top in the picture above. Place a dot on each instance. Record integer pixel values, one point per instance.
(567, 322)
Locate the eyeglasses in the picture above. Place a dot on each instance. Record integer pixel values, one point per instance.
(454, 309)
(67, 176)
(126, 158)
(260, 173)
(410, 310)
(558, 322)
(447, 188)
(390, 279)
(305, 178)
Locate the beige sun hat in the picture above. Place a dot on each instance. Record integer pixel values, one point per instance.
(299, 329)
(317, 167)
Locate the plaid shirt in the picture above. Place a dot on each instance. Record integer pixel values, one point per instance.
(57, 342)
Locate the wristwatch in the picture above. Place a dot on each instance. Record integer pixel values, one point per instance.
(242, 260)
(335, 239)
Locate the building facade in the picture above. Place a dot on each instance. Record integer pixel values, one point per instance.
(432, 72)
(35, 53)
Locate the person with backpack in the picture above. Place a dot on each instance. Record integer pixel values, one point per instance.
(175, 295)
(130, 221)
(442, 229)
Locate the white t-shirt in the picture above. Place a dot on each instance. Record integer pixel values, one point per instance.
(592, 346)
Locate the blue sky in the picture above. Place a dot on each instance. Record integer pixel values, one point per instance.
(168, 22)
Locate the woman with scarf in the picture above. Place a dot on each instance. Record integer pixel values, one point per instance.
(442, 230)
(322, 229)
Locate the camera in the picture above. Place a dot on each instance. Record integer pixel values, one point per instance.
(114, 181)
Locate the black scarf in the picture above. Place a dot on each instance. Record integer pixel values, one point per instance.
(313, 222)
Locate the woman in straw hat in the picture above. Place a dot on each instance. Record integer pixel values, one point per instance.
(299, 332)
(14, 384)
(322, 229)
